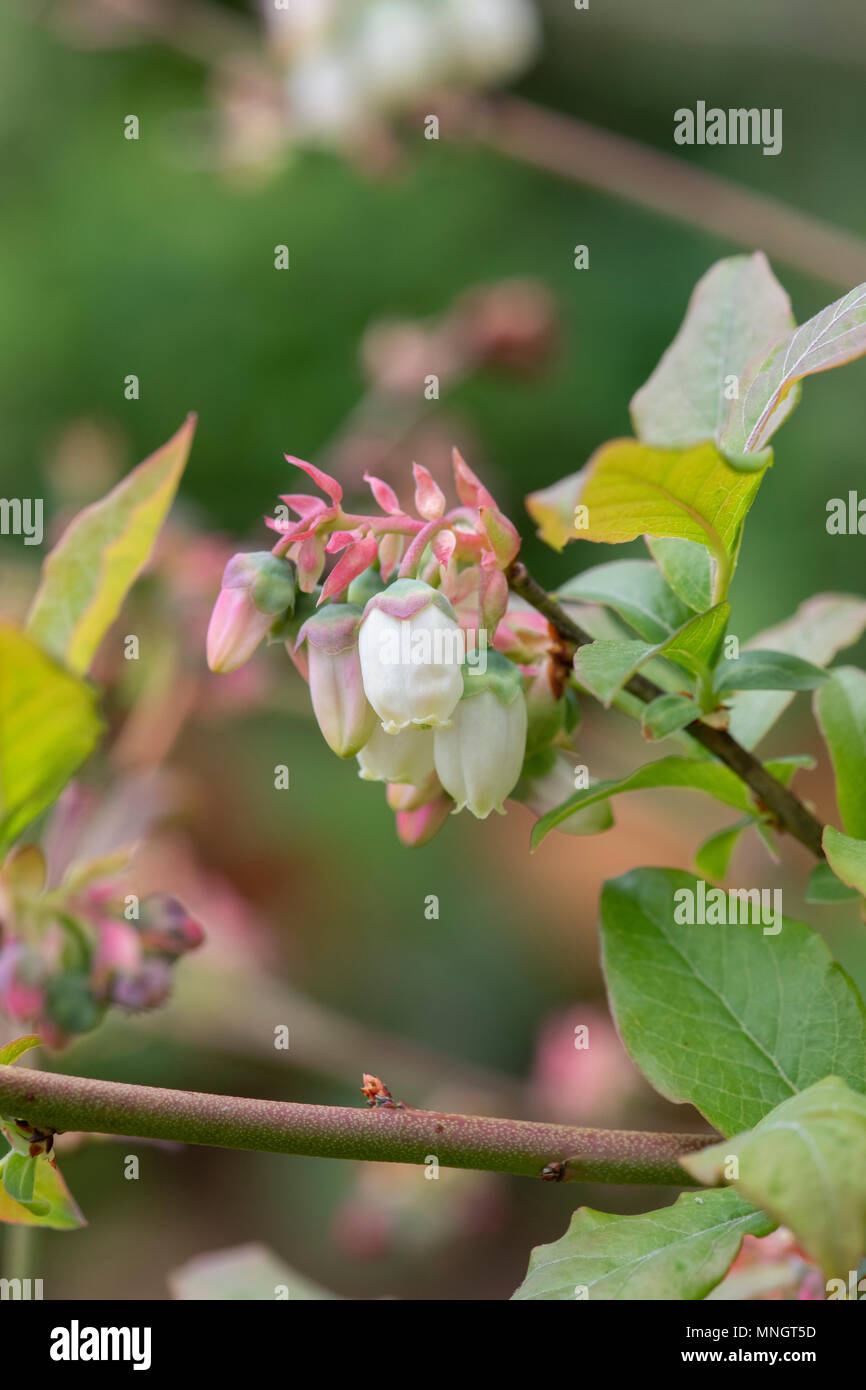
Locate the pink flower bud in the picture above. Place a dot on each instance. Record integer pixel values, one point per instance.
(256, 589)
(416, 828)
(236, 629)
(166, 928)
(524, 636)
(342, 710)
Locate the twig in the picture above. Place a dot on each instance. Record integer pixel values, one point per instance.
(788, 811)
(585, 153)
(329, 1131)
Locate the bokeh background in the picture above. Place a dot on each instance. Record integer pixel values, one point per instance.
(156, 257)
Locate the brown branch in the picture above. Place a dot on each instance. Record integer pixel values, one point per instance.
(385, 1135)
(787, 810)
(584, 153)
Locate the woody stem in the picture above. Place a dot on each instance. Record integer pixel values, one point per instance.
(787, 810)
(400, 1135)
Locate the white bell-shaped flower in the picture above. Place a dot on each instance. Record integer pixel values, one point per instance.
(403, 757)
(336, 689)
(411, 649)
(478, 759)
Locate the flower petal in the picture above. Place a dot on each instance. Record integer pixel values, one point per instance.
(356, 559)
(322, 480)
(470, 490)
(384, 495)
(429, 497)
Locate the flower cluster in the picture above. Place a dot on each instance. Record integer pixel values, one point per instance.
(69, 952)
(350, 60)
(416, 664)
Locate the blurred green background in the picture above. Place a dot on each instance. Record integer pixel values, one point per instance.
(122, 257)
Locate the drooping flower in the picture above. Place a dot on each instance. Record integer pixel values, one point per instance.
(393, 660)
(478, 759)
(411, 649)
(256, 589)
(343, 713)
(403, 757)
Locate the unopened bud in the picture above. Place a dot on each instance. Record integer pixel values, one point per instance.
(166, 928)
(344, 715)
(416, 828)
(257, 589)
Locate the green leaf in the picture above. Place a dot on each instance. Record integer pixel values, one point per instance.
(605, 667)
(553, 509)
(637, 591)
(18, 1172)
(242, 1273)
(768, 840)
(51, 1205)
(833, 337)
(846, 857)
(696, 645)
(821, 627)
(550, 773)
(17, 1047)
(763, 670)
(700, 775)
(737, 311)
(48, 726)
(783, 769)
(666, 714)
(688, 569)
(629, 489)
(725, 1017)
(100, 554)
(840, 708)
(805, 1163)
(679, 1252)
(824, 889)
(714, 855)
(632, 490)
